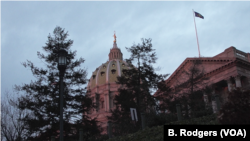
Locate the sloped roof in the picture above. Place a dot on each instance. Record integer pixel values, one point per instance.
(231, 56)
(209, 64)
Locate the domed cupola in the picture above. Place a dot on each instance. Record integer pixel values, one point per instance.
(107, 72)
(102, 86)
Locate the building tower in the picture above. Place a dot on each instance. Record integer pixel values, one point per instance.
(102, 86)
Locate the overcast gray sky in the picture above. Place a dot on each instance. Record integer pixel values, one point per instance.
(26, 25)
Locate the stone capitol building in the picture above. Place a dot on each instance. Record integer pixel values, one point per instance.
(227, 70)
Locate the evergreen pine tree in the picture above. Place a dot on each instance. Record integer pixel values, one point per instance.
(137, 84)
(42, 96)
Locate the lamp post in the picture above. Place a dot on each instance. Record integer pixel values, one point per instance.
(62, 54)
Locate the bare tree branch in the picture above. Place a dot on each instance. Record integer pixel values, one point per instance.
(12, 128)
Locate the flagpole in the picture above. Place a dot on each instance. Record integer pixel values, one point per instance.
(196, 35)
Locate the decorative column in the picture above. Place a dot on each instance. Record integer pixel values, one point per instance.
(214, 105)
(107, 107)
(238, 81)
(205, 97)
(217, 103)
(229, 85)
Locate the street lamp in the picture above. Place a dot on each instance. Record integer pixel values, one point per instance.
(62, 63)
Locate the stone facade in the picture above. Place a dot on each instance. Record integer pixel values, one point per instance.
(227, 70)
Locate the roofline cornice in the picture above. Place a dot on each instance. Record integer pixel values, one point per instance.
(232, 61)
(203, 59)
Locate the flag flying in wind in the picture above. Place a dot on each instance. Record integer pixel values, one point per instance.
(198, 15)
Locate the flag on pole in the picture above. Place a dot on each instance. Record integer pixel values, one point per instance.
(198, 15)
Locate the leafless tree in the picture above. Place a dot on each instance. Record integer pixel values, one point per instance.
(12, 129)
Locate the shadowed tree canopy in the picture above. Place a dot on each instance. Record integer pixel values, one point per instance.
(42, 95)
(137, 84)
(237, 109)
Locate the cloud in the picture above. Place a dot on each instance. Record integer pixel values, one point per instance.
(26, 25)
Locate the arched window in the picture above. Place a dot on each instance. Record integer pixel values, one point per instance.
(93, 76)
(113, 71)
(102, 73)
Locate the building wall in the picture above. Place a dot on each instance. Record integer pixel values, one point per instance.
(231, 67)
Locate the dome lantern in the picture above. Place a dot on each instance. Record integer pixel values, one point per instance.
(115, 52)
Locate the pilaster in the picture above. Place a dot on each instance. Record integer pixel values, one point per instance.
(238, 81)
(107, 103)
(205, 97)
(214, 106)
(229, 85)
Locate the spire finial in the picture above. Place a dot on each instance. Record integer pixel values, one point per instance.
(114, 37)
